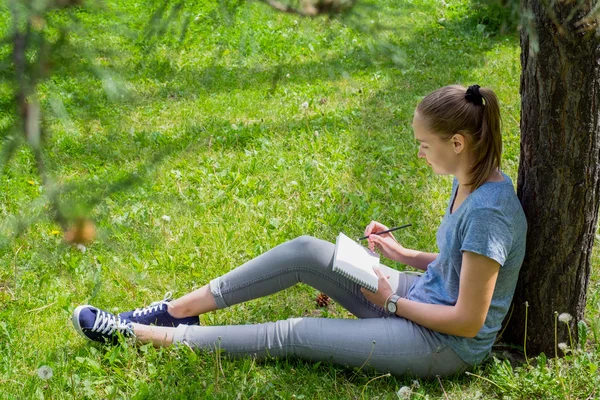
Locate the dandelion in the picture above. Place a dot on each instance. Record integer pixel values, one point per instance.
(563, 346)
(166, 218)
(404, 392)
(287, 75)
(304, 105)
(44, 372)
(416, 384)
(81, 248)
(565, 317)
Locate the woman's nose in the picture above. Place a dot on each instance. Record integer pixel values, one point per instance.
(420, 154)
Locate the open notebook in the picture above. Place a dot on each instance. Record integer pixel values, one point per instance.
(355, 262)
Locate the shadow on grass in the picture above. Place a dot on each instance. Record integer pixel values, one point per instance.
(441, 55)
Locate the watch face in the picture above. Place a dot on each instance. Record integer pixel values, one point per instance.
(391, 307)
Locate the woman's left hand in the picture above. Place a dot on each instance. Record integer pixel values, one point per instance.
(383, 292)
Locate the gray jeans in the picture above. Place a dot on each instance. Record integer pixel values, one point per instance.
(375, 340)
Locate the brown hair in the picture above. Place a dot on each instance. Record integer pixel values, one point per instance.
(447, 111)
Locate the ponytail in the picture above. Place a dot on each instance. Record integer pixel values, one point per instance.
(487, 148)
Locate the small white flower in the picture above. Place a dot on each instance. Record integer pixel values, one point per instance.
(416, 384)
(565, 317)
(287, 75)
(234, 127)
(316, 133)
(166, 218)
(404, 392)
(304, 105)
(563, 346)
(81, 248)
(44, 372)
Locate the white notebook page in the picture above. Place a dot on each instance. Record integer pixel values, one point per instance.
(356, 260)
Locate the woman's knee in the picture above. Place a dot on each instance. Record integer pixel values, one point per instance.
(311, 251)
(310, 245)
(304, 242)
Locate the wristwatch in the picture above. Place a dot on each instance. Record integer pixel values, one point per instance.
(391, 306)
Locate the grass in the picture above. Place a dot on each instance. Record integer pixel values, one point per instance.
(262, 127)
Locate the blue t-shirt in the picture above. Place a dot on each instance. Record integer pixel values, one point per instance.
(490, 222)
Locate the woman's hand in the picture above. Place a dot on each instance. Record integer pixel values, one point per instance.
(384, 289)
(385, 243)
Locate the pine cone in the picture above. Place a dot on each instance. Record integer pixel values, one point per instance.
(83, 231)
(323, 300)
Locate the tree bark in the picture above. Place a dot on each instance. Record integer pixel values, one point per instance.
(559, 173)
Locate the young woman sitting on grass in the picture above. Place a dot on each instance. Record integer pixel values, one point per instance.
(440, 323)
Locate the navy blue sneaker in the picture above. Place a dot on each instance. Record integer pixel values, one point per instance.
(157, 313)
(100, 326)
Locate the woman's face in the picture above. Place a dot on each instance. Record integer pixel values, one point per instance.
(440, 154)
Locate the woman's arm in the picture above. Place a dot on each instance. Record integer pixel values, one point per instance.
(390, 248)
(477, 282)
(415, 258)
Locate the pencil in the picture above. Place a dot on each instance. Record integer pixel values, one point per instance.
(386, 231)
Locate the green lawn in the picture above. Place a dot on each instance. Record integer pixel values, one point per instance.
(256, 128)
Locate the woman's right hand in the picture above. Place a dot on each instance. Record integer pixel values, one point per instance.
(385, 243)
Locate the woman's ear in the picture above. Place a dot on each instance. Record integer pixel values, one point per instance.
(458, 143)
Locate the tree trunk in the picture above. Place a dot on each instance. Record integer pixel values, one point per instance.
(559, 174)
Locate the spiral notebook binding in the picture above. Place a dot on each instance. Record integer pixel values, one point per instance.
(356, 280)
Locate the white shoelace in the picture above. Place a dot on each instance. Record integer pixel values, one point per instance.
(155, 306)
(107, 324)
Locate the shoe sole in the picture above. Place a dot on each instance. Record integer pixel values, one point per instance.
(75, 320)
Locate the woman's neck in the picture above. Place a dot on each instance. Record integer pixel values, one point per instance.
(464, 178)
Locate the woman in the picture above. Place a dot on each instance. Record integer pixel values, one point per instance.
(437, 324)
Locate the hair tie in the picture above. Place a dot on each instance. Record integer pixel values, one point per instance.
(472, 95)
